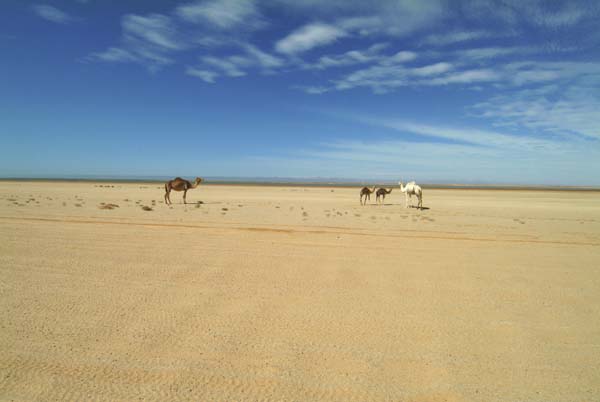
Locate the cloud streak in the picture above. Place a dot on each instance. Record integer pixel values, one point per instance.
(308, 37)
(52, 14)
(222, 14)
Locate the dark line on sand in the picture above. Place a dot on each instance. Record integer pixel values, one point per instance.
(293, 231)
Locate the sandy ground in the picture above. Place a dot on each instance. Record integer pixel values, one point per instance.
(285, 293)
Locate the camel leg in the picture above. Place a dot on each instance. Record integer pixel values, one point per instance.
(167, 198)
(184, 193)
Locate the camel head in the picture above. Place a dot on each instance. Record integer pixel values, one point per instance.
(197, 182)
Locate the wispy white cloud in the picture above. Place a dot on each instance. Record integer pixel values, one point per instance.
(536, 13)
(400, 57)
(349, 58)
(115, 54)
(377, 17)
(432, 69)
(229, 67)
(482, 54)
(264, 59)
(557, 109)
(237, 65)
(467, 135)
(222, 14)
(149, 40)
(465, 67)
(465, 77)
(155, 29)
(204, 75)
(312, 90)
(387, 76)
(451, 38)
(154, 40)
(52, 14)
(309, 37)
(568, 14)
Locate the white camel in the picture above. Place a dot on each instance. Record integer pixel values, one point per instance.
(410, 189)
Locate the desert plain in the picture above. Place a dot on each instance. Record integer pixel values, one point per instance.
(278, 293)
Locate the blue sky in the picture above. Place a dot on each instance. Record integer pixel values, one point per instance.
(436, 91)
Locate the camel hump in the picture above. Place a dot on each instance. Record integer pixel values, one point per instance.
(178, 178)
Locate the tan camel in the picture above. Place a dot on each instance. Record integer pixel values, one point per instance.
(179, 184)
(381, 193)
(366, 192)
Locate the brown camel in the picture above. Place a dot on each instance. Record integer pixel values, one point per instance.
(381, 193)
(179, 184)
(366, 192)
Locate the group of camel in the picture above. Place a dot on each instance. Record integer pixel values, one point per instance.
(409, 190)
(179, 184)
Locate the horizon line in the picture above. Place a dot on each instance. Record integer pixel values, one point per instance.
(302, 181)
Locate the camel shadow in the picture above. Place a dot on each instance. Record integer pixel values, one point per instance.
(399, 204)
(198, 203)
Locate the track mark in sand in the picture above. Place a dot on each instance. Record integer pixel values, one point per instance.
(107, 206)
(459, 237)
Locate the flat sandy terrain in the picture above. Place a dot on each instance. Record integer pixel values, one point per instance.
(291, 293)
